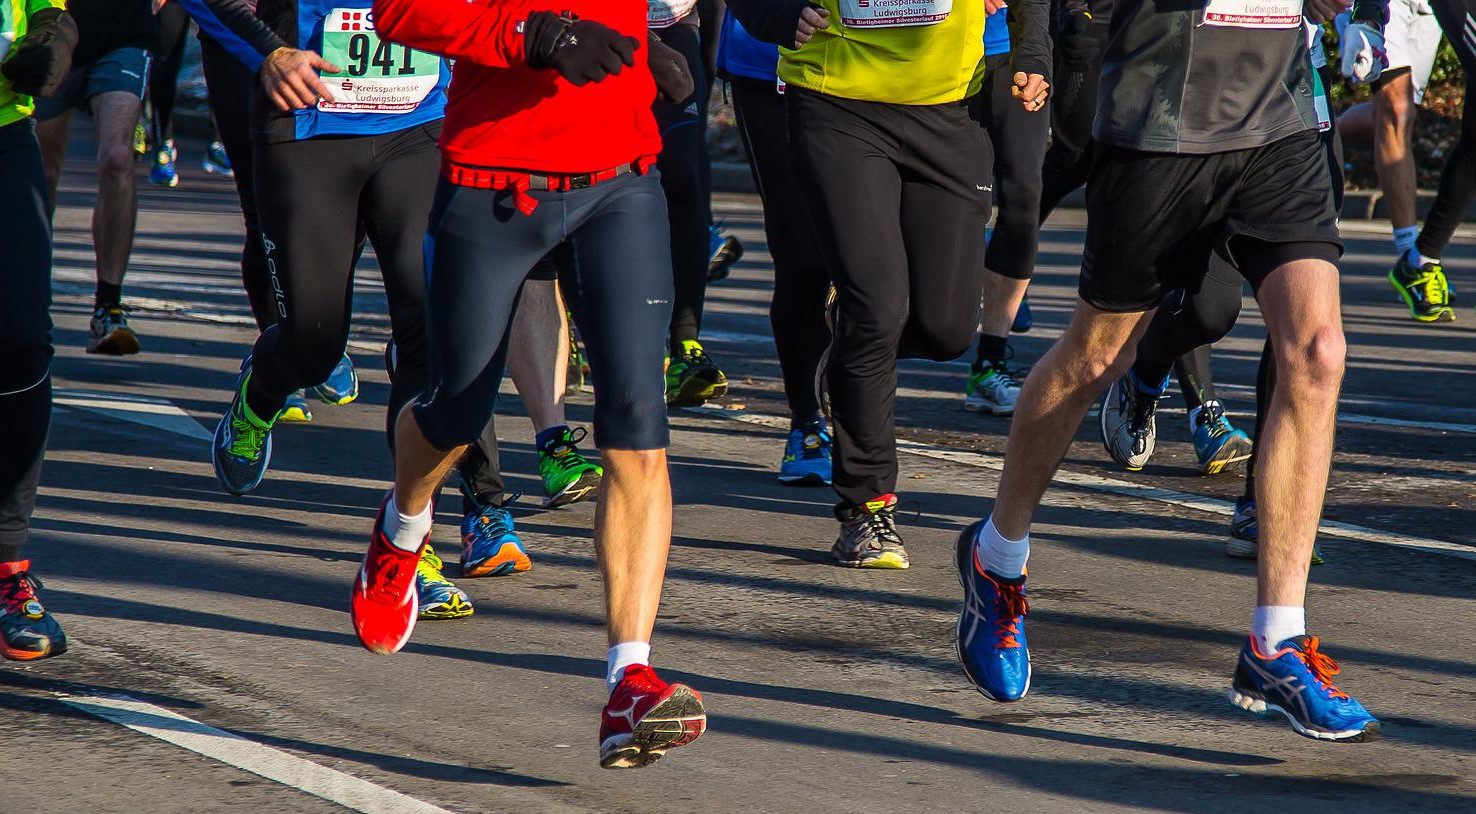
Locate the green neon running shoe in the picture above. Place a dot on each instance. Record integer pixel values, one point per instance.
(568, 476)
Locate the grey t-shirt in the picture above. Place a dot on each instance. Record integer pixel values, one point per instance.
(1173, 84)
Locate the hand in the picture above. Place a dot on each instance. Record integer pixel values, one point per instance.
(1079, 48)
(1363, 52)
(674, 81)
(812, 19)
(41, 59)
(291, 79)
(992, 6)
(1320, 11)
(582, 51)
(158, 4)
(1031, 90)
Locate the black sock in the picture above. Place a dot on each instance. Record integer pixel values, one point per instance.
(991, 350)
(107, 295)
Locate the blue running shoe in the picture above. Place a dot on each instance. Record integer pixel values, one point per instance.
(216, 162)
(342, 386)
(1024, 320)
(991, 626)
(1296, 681)
(723, 250)
(807, 456)
(1217, 444)
(243, 442)
(297, 408)
(161, 169)
(490, 546)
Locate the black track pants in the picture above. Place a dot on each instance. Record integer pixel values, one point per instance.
(797, 313)
(25, 332)
(174, 27)
(899, 196)
(229, 83)
(315, 196)
(686, 180)
(1458, 180)
(1017, 148)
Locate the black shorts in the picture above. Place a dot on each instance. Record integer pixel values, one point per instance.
(123, 70)
(1154, 218)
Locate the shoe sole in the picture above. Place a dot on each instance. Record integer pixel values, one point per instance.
(677, 721)
(807, 479)
(587, 485)
(958, 648)
(1241, 549)
(1446, 314)
(11, 654)
(497, 565)
(336, 401)
(121, 342)
(1260, 706)
(689, 396)
(978, 405)
(1228, 457)
(434, 615)
(886, 562)
(296, 414)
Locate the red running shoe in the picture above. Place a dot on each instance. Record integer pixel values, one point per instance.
(385, 603)
(645, 717)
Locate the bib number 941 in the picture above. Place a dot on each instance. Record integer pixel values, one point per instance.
(377, 76)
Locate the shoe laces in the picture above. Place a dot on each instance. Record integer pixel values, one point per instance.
(384, 577)
(879, 526)
(247, 439)
(1012, 606)
(430, 566)
(563, 450)
(1432, 285)
(116, 312)
(1141, 407)
(1212, 418)
(1322, 667)
(493, 522)
(17, 590)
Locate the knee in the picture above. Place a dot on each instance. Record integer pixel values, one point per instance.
(22, 366)
(940, 342)
(1396, 111)
(115, 161)
(628, 421)
(642, 465)
(448, 422)
(1315, 362)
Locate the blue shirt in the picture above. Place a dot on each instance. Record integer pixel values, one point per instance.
(740, 54)
(997, 33)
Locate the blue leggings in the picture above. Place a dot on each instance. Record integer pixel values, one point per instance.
(612, 247)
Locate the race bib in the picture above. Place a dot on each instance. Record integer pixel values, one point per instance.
(1319, 103)
(893, 13)
(378, 76)
(1254, 13)
(663, 13)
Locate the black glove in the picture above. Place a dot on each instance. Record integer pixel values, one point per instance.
(674, 81)
(41, 59)
(582, 51)
(1079, 48)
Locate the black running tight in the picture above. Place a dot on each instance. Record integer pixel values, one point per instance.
(174, 27)
(1458, 181)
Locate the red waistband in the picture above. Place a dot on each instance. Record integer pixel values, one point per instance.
(521, 181)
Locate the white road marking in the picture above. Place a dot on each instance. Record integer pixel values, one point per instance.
(233, 750)
(1332, 528)
(160, 414)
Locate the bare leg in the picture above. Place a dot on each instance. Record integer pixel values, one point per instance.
(115, 217)
(632, 537)
(1096, 348)
(1394, 113)
(1356, 125)
(1303, 315)
(52, 133)
(537, 350)
(1002, 296)
(419, 467)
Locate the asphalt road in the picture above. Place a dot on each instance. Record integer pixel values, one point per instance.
(830, 690)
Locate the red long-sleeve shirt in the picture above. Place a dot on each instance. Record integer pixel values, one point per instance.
(502, 114)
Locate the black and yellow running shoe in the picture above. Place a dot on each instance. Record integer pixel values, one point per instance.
(1424, 289)
(439, 597)
(692, 378)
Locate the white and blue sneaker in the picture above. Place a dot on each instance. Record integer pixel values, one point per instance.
(807, 456)
(1218, 445)
(991, 626)
(1296, 681)
(342, 386)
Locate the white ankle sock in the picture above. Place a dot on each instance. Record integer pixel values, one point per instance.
(1274, 624)
(622, 656)
(999, 555)
(1404, 239)
(407, 531)
(1414, 258)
